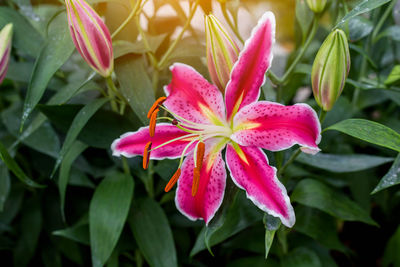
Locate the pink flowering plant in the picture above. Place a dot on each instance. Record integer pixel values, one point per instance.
(199, 133)
(205, 123)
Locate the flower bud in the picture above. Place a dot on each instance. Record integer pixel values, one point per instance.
(330, 69)
(5, 49)
(222, 52)
(317, 6)
(91, 36)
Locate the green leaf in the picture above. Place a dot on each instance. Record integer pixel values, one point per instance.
(394, 75)
(25, 37)
(44, 139)
(63, 116)
(135, 85)
(301, 257)
(78, 232)
(392, 32)
(62, 96)
(78, 123)
(13, 166)
(53, 55)
(319, 226)
(108, 211)
(5, 185)
(362, 7)
(391, 178)
(342, 163)
(391, 255)
(315, 194)
(369, 131)
(304, 16)
(359, 27)
(30, 227)
(122, 47)
(76, 149)
(152, 233)
(271, 225)
(241, 214)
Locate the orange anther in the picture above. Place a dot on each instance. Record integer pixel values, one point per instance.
(196, 179)
(159, 101)
(153, 120)
(146, 155)
(200, 155)
(173, 180)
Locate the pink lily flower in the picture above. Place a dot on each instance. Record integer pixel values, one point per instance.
(204, 124)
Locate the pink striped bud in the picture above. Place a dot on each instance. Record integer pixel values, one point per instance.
(91, 36)
(222, 52)
(5, 49)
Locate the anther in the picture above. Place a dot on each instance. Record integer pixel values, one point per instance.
(173, 180)
(196, 179)
(174, 122)
(158, 102)
(153, 120)
(200, 155)
(146, 155)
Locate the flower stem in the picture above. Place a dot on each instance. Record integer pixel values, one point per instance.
(322, 116)
(281, 81)
(125, 166)
(112, 92)
(127, 20)
(231, 25)
(295, 154)
(382, 20)
(172, 47)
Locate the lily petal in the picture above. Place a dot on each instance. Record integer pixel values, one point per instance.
(211, 186)
(132, 144)
(276, 127)
(250, 171)
(248, 73)
(192, 97)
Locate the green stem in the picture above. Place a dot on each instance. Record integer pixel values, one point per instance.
(146, 44)
(172, 47)
(382, 20)
(112, 92)
(303, 49)
(125, 166)
(127, 20)
(295, 154)
(231, 25)
(322, 116)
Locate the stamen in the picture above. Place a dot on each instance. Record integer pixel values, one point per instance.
(200, 155)
(158, 102)
(174, 122)
(196, 179)
(173, 180)
(153, 120)
(146, 155)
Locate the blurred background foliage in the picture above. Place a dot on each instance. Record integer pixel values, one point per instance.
(91, 213)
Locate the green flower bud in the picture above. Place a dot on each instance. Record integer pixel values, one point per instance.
(317, 6)
(330, 69)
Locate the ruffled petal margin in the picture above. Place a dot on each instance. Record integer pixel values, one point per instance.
(276, 127)
(250, 171)
(248, 73)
